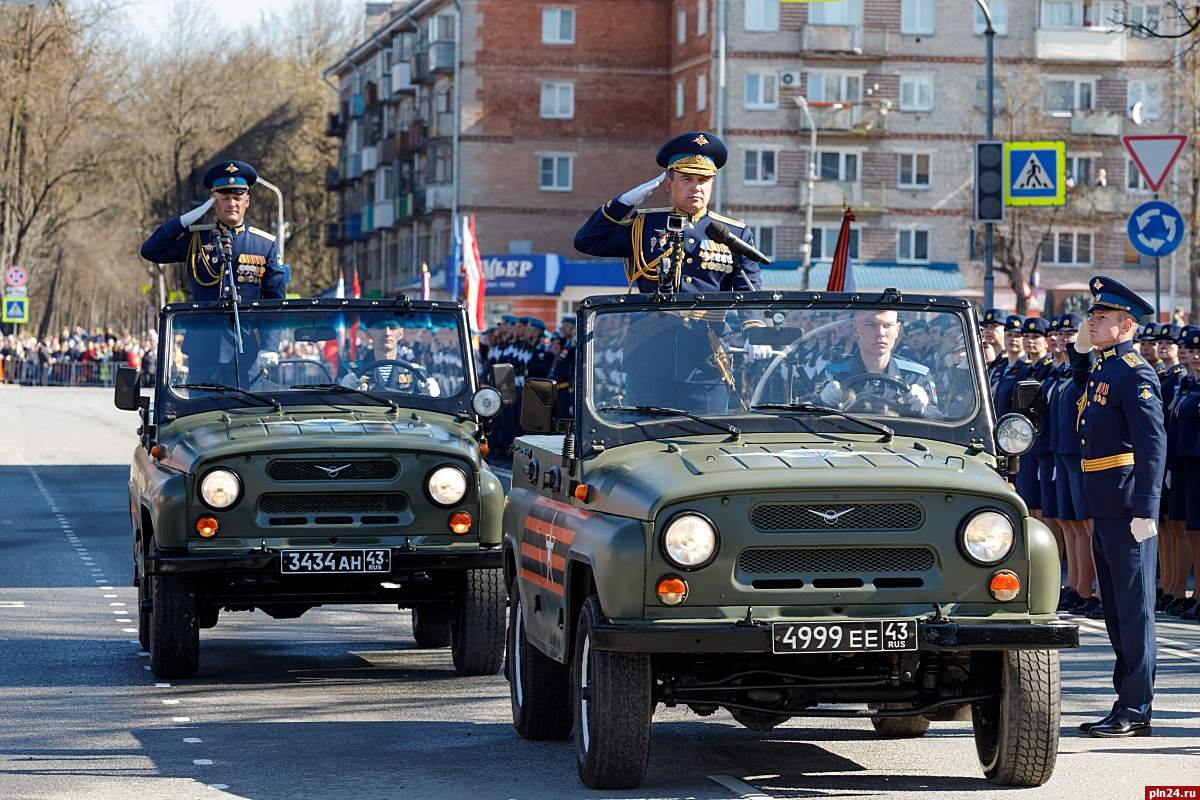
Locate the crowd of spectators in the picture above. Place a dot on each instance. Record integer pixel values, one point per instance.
(75, 357)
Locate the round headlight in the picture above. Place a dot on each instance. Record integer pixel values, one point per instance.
(486, 402)
(446, 485)
(220, 489)
(1014, 434)
(689, 541)
(987, 537)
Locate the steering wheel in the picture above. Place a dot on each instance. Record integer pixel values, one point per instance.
(414, 369)
(865, 400)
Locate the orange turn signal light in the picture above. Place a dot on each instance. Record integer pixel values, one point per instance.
(207, 527)
(483, 446)
(583, 492)
(157, 451)
(1005, 585)
(460, 522)
(671, 590)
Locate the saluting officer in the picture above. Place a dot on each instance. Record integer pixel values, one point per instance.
(258, 269)
(1123, 444)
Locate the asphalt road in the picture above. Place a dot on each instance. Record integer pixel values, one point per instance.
(340, 703)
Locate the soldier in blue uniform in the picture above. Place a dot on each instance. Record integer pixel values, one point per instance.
(991, 328)
(1123, 444)
(1014, 366)
(1037, 466)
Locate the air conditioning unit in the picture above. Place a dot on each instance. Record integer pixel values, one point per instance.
(789, 78)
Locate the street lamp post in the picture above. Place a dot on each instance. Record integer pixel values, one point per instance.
(279, 216)
(812, 177)
(989, 279)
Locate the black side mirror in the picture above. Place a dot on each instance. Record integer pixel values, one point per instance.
(127, 391)
(775, 337)
(537, 405)
(1029, 401)
(504, 379)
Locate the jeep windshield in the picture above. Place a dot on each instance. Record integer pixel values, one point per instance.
(327, 353)
(783, 362)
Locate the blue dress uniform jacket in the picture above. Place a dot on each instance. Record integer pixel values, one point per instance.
(1009, 375)
(640, 237)
(256, 262)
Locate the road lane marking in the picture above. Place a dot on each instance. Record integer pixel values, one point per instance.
(116, 604)
(192, 740)
(1172, 648)
(170, 702)
(128, 630)
(162, 685)
(12, 604)
(743, 789)
(181, 719)
(202, 762)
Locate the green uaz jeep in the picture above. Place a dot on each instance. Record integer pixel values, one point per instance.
(316, 452)
(781, 505)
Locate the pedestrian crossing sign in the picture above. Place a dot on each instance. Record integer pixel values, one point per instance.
(16, 309)
(1035, 173)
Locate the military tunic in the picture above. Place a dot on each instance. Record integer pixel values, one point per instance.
(257, 267)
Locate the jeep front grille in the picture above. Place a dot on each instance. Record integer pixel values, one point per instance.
(853, 516)
(349, 503)
(328, 469)
(825, 560)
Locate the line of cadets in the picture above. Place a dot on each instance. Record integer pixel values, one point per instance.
(1050, 480)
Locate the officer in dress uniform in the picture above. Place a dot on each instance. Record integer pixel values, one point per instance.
(1123, 444)
(563, 374)
(1037, 467)
(1014, 366)
(991, 328)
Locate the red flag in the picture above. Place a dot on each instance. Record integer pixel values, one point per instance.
(354, 333)
(330, 351)
(841, 275)
(473, 272)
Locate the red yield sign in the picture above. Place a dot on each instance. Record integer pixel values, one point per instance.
(1155, 155)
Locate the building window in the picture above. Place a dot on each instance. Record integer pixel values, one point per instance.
(916, 16)
(701, 92)
(762, 15)
(1062, 13)
(999, 9)
(913, 246)
(555, 173)
(999, 102)
(834, 87)
(1080, 171)
(679, 103)
(825, 241)
(1145, 15)
(762, 90)
(681, 32)
(1135, 183)
(764, 239)
(558, 26)
(833, 165)
(916, 93)
(760, 168)
(558, 100)
(845, 12)
(701, 17)
(1068, 95)
(1149, 94)
(914, 171)
(1066, 249)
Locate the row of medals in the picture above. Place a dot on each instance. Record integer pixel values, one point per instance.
(715, 256)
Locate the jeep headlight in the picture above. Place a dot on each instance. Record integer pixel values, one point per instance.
(220, 489)
(487, 402)
(446, 485)
(1014, 434)
(689, 541)
(987, 538)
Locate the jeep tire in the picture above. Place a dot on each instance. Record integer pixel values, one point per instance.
(898, 727)
(477, 626)
(174, 627)
(431, 627)
(538, 686)
(1016, 732)
(613, 708)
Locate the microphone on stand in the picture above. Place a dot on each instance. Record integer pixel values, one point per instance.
(718, 232)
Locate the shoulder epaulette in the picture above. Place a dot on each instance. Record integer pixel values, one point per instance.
(206, 227)
(912, 366)
(261, 233)
(1132, 359)
(727, 220)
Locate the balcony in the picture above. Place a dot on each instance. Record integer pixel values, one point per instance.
(415, 138)
(852, 40)
(1085, 122)
(385, 214)
(443, 125)
(354, 227)
(441, 57)
(831, 194)
(419, 68)
(333, 179)
(387, 149)
(1090, 200)
(358, 106)
(1079, 44)
(370, 158)
(352, 167)
(335, 126)
(402, 82)
(438, 197)
(404, 207)
(368, 219)
(861, 117)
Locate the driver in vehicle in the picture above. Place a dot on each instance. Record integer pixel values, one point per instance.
(872, 378)
(388, 365)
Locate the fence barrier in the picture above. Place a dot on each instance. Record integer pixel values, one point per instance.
(27, 372)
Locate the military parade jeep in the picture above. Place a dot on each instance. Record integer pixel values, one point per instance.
(822, 530)
(332, 475)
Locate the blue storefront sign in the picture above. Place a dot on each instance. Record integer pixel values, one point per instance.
(520, 275)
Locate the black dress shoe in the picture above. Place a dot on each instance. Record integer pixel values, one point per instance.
(1117, 727)
(1087, 726)
(1193, 615)
(1097, 612)
(1182, 606)
(1162, 602)
(1069, 598)
(1085, 605)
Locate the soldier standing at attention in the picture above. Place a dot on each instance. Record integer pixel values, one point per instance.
(1123, 444)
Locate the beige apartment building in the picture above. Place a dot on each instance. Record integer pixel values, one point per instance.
(529, 115)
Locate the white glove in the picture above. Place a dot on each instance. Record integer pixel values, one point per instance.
(636, 196)
(267, 358)
(832, 395)
(756, 352)
(916, 398)
(196, 213)
(1143, 529)
(1083, 340)
(429, 387)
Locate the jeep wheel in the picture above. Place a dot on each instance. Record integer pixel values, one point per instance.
(538, 686)
(174, 627)
(431, 627)
(757, 720)
(477, 627)
(1016, 732)
(898, 727)
(143, 600)
(613, 709)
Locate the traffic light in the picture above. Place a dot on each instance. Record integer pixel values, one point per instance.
(989, 181)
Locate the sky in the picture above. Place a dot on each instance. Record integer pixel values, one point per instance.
(150, 17)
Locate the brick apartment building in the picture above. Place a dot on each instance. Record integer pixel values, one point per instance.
(562, 104)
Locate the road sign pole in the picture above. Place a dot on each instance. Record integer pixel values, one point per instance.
(1158, 285)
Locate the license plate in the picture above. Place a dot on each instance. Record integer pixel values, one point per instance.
(309, 562)
(874, 636)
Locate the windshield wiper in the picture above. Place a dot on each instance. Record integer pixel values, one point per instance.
(223, 389)
(337, 387)
(887, 432)
(662, 411)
